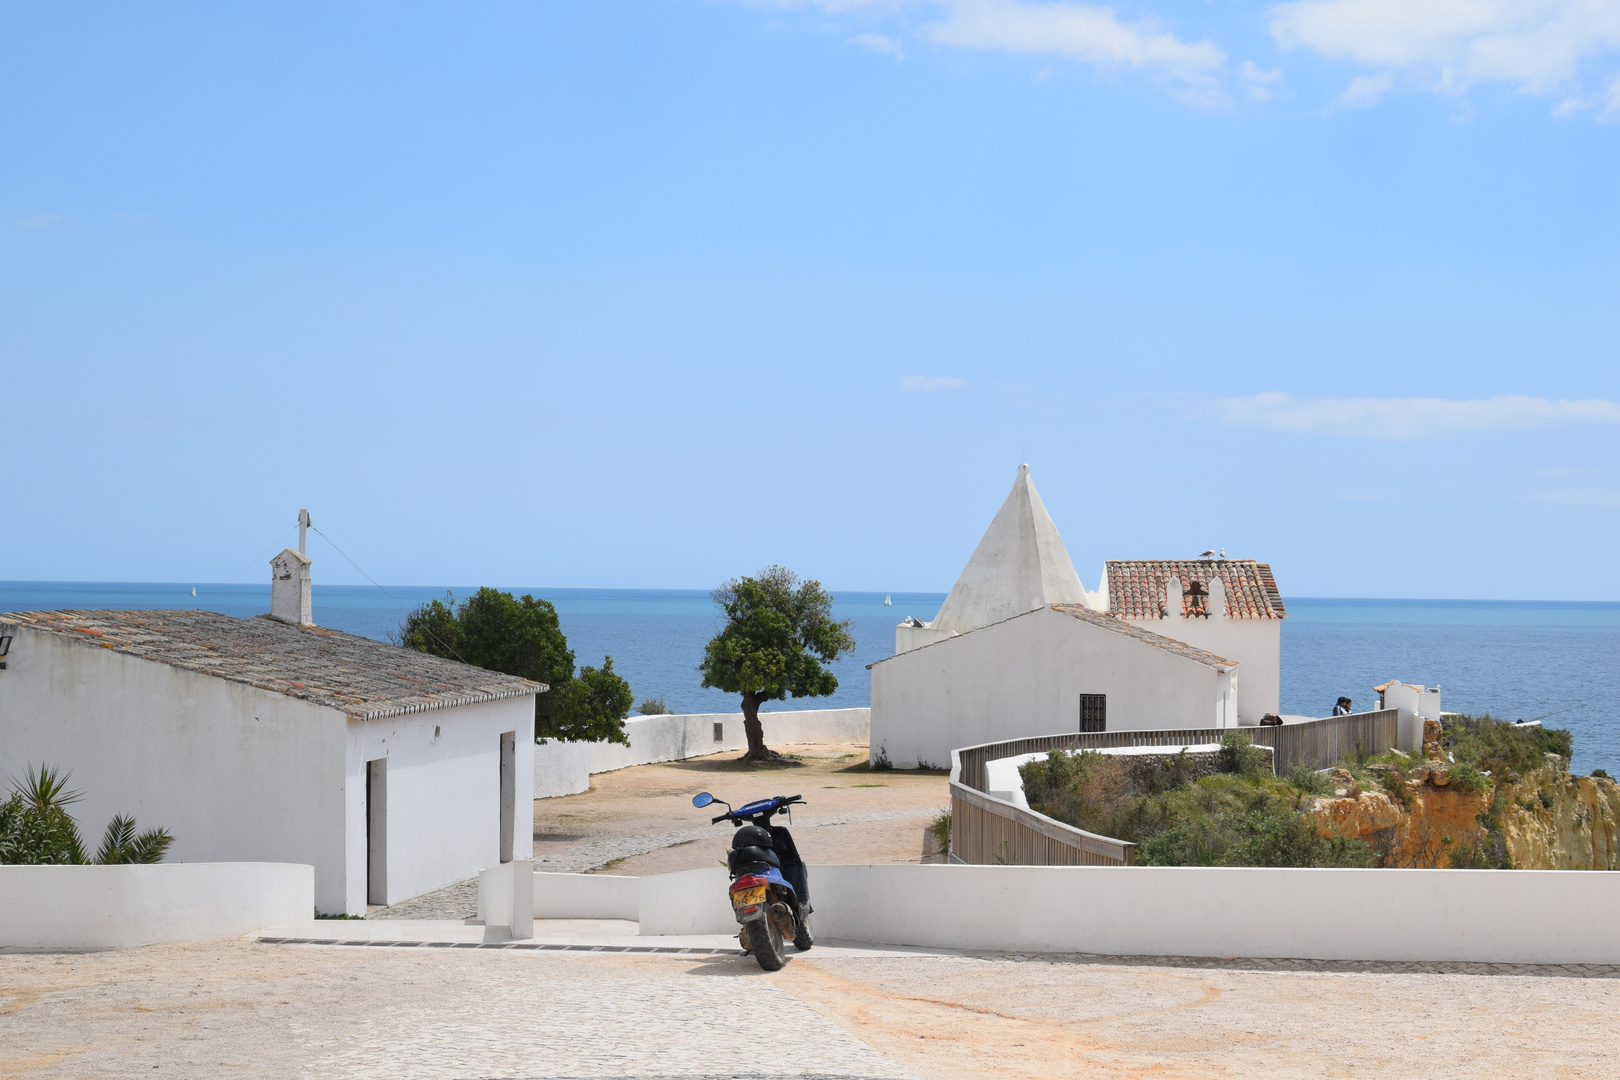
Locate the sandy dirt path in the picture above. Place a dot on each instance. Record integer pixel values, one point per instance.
(851, 815)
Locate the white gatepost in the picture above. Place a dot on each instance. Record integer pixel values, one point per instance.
(506, 897)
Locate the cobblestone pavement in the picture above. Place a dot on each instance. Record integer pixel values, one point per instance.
(460, 901)
(229, 1010)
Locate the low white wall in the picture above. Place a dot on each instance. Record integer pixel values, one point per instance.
(587, 896)
(1488, 916)
(563, 768)
(109, 907)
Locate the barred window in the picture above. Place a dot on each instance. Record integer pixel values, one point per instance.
(1093, 712)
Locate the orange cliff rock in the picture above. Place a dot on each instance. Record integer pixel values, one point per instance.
(1549, 820)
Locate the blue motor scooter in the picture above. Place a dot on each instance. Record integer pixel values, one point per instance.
(770, 885)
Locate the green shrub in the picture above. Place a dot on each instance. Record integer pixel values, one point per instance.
(36, 829)
(1604, 773)
(1497, 747)
(652, 706)
(1239, 755)
(1467, 778)
(941, 828)
(1309, 781)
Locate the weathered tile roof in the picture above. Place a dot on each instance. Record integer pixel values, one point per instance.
(364, 679)
(1136, 587)
(1147, 637)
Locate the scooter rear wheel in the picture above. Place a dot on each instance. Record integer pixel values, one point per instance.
(765, 942)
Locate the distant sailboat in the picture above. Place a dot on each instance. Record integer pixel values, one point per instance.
(886, 601)
(194, 590)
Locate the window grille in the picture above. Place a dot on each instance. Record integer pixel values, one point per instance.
(1093, 712)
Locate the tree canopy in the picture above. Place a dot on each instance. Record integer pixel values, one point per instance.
(522, 636)
(778, 636)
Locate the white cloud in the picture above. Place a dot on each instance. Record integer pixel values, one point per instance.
(40, 221)
(1084, 32)
(1536, 46)
(930, 382)
(1261, 84)
(1587, 496)
(1410, 418)
(881, 43)
(1367, 90)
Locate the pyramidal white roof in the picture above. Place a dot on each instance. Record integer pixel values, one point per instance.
(1019, 565)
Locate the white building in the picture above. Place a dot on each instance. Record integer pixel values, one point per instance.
(392, 772)
(1230, 607)
(1018, 648)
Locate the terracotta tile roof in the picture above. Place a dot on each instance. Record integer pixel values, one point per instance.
(362, 678)
(1136, 587)
(1147, 637)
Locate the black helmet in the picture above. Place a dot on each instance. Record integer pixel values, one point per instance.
(751, 836)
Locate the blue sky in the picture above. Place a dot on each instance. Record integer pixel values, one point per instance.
(651, 294)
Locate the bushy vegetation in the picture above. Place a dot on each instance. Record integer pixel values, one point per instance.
(36, 828)
(652, 706)
(521, 636)
(1498, 747)
(1240, 816)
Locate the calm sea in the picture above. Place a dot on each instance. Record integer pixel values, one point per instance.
(1515, 660)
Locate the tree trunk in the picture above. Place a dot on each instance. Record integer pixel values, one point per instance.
(757, 750)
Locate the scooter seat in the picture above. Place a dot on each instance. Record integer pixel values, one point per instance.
(741, 858)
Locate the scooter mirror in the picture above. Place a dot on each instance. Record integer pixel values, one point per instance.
(702, 799)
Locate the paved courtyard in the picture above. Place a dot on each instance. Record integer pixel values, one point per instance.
(247, 1009)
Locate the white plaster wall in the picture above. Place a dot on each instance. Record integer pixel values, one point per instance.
(907, 638)
(693, 902)
(1489, 916)
(1025, 677)
(1484, 916)
(588, 896)
(109, 907)
(233, 772)
(563, 768)
(236, 773)
(1412, 704)
(1256, 644)
(444, 796)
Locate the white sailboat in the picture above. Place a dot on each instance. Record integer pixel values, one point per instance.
(886, 601)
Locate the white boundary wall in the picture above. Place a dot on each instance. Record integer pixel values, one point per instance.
(110, 907)
(565, 768)
(1488, 916)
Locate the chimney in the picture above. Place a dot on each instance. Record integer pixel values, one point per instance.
(289, 582)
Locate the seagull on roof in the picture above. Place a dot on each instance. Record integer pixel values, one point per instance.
(1210, 554)
(1223, 553)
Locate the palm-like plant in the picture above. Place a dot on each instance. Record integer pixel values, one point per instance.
(36, 829)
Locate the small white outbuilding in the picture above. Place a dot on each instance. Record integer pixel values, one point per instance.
(270, 739)
(1019, 648)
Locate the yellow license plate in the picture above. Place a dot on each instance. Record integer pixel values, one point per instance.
(745, 897)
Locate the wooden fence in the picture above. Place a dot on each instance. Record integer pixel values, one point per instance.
(986, 830)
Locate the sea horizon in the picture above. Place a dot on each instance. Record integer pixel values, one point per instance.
(1514, 659)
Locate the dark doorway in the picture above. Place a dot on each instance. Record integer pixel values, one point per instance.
(508, 792)
(377, 831)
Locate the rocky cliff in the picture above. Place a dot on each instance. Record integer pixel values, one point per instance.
(1417, 814)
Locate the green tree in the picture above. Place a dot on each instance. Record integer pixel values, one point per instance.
(522, 636)
(779, 632)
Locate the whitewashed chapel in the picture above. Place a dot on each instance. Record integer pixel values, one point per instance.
(1020, 647)
(272, 739)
